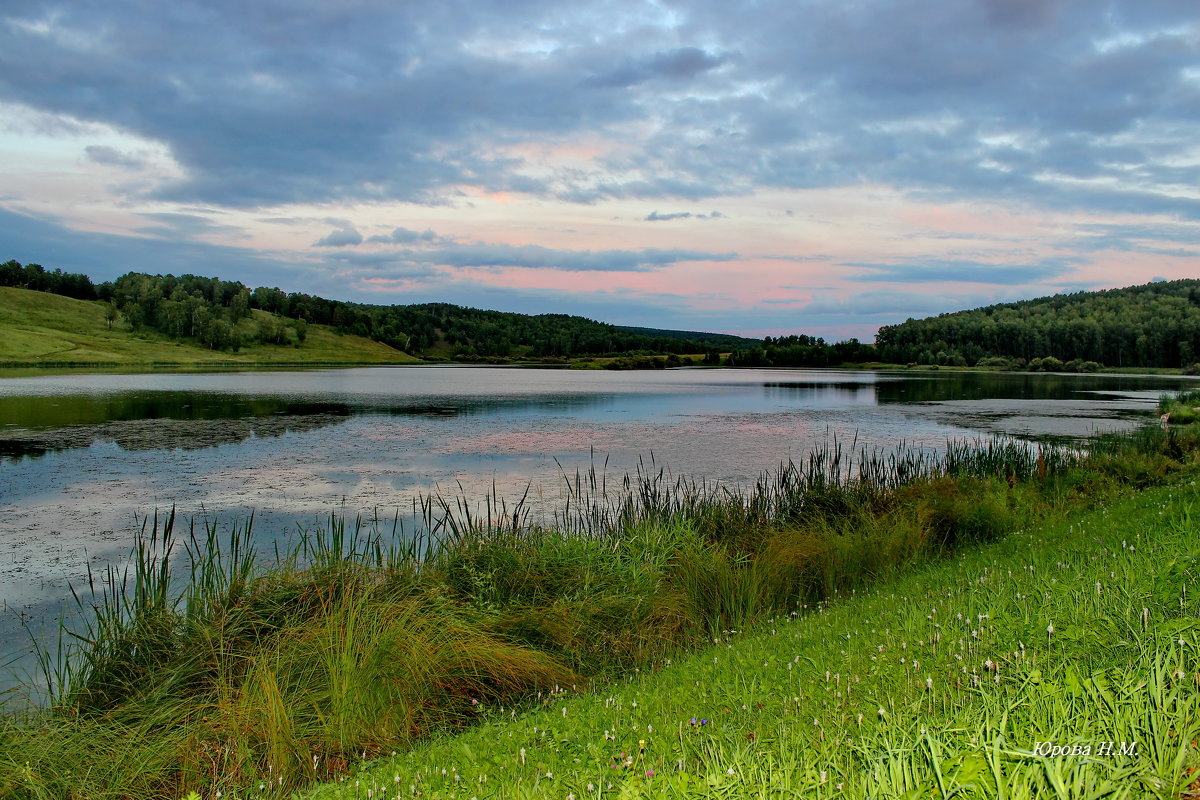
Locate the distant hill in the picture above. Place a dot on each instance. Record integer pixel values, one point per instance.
(1151, 325)
(41, 328)
(720, 341)
(216, 316)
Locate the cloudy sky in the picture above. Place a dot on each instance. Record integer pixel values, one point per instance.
(819, 166)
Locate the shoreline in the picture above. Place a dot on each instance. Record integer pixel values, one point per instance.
(28, 369)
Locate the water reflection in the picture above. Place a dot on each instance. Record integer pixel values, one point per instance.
(1014, 386)
(172, 420)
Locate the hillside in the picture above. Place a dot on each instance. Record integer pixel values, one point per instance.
(720, 341)
(218, 314)
(1151, 325)
(41, 328)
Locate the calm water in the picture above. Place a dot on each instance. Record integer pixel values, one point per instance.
(85, 457)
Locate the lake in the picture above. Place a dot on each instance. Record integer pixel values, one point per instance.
(85, 458)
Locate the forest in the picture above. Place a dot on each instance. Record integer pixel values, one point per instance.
(1153, 325)
(802, 351)
(39, 279)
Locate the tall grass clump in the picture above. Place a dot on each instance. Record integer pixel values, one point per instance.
(205, 666)
(1182, 408)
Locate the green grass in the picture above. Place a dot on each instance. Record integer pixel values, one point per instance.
(1182, 408)
(359, 643)
(37, 328)
(938, 683)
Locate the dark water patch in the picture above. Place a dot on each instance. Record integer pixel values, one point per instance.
(160, 434)
(40, 412)
(1015, 386)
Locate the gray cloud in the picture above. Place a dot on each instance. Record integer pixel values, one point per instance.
(405, 236)
(893, 307)
(535, 256)
(111, 156)
(964, 271)
(345, 236)
(174, 225)
(680, 64)
(1143, 238)
(654, 216)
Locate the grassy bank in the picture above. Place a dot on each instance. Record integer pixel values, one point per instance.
(956, 680)
(40, 329)
(359, 646)
(1182, 408)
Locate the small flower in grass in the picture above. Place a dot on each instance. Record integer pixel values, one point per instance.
(730, 772)
(649, 773)
(882, 713)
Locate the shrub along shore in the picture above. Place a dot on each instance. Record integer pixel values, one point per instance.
(257, 680)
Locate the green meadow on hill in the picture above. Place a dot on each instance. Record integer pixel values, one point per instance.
(39, 328)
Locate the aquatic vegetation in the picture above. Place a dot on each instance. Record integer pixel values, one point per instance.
(1182, 408)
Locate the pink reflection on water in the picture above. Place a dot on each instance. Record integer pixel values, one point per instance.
(531, 442)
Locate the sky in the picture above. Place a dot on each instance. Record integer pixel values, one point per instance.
(764, 167)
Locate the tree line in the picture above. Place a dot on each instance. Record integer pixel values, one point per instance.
(1153, 325)
(802, 351)
(37, 278)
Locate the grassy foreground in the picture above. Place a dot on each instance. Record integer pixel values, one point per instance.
(37, 328)
(973, 678)
(259, 682)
